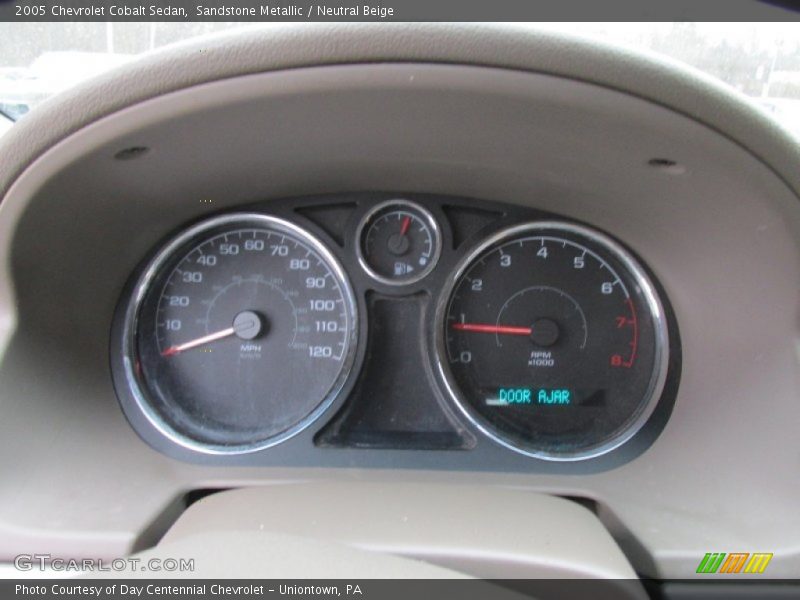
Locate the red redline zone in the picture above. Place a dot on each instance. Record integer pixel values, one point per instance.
(635, 342)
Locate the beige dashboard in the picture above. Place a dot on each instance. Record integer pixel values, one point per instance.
(703, 188)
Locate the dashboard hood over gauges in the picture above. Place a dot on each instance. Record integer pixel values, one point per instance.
(667, 177)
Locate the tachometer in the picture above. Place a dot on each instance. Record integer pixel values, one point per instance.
(552, 341)
(241, 333)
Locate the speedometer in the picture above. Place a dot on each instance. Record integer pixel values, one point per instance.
(552, 340)
(240, 334)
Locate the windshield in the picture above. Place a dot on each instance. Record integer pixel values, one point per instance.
(761, 60)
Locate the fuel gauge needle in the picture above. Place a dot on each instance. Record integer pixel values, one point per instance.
(405, 225)
(211, 337)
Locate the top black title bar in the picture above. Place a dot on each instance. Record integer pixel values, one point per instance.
(397, 10)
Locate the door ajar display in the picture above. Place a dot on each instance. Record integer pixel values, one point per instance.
(552, 341)
(240, 333)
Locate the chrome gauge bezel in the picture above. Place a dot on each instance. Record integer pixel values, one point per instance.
(135, 382)
(429, 219)
(656, 309)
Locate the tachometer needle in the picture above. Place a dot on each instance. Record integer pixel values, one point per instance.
(211, 337)
(482, 328)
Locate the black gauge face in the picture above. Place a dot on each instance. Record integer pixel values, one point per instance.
(399, 242)
(244, 333)
(553, 342)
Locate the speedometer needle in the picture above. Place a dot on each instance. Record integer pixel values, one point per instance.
(481, 328)
(211, 337)
(247, 325)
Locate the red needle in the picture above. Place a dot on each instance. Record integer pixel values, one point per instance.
(480, 328)
(404, 227)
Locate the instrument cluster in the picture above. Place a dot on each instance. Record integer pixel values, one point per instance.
(393, 322)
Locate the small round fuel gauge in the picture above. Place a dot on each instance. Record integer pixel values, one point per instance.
(398, 242)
